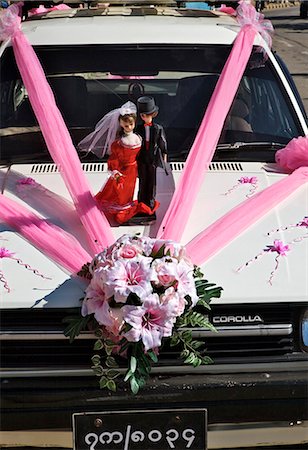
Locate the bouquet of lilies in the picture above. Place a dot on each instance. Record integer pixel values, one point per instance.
(142, 292)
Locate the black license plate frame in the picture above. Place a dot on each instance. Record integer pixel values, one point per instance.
(146, 429)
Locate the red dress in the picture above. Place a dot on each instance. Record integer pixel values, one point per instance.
(116, 197)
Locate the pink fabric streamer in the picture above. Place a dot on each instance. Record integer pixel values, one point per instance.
(48, 203)
(55, 132)
(294, 155)
(227, 10)
(49, 239)
(232, 224)
(204, 146)
(42, 10)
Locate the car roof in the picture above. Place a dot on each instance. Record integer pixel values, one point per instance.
(131, 25)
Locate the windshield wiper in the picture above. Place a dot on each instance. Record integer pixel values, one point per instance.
(240, 145)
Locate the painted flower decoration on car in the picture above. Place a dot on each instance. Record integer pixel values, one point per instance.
(142, 292)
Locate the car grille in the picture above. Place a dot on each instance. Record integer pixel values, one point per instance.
(34, 339)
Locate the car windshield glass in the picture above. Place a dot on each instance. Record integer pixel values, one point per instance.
(89, 81)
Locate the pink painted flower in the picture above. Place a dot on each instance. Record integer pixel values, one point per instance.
(245, 180)
(26, 181)
(5, 253)
(279, 247)
(150, 322)
(129, 276)
(304, 222)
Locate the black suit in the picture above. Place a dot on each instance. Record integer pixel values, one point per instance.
(149, 158)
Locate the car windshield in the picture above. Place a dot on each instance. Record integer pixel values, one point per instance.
(89, 81)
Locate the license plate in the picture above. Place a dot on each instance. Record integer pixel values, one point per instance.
(161, 429)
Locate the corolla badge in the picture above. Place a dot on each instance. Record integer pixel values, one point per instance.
(250, 318)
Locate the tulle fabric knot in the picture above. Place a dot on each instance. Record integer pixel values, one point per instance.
(246, 14)
(9, 22)
(294, 155)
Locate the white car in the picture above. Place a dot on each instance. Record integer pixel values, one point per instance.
(95, 60)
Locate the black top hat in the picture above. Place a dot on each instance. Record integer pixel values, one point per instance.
(146, 105)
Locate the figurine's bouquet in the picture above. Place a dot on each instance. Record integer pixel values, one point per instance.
(142, 292)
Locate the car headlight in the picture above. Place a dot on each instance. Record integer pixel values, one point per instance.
(304, 330)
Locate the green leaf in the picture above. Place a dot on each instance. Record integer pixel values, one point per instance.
(98, 345)
(108, 349)
(111, 362)
(103, 382)
(184, 353)
(153, 356)
(75, 325)
(98, 370)
(133, 364)
(98, 333)
(175, 340)
(128, 375)
(190, 359)
(96, 360)
(204, 303)
(134, 386)
(111, 386)
(197, 362)
(111, 374)
(207, 360)
(186, 335)
(196, 344)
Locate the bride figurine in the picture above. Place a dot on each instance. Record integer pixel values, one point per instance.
(114, 134)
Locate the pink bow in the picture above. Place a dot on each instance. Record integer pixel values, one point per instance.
(246, 14)
(9, 22)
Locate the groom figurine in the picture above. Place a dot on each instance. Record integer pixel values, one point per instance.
(153, 152)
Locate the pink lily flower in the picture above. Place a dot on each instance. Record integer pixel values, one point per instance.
(150, 322)
(129, 276)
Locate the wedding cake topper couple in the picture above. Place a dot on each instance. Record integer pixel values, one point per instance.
(134, 152)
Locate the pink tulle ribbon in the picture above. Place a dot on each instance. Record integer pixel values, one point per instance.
(293, 155)
(56, 135)
(9, 22)
(54, 242)
(5, 253)
(220, 233)
(246, 14)
(41, 9)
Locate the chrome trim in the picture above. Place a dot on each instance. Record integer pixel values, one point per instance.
(245, 330)
(222, 332)
(227, 435)
(263, 367)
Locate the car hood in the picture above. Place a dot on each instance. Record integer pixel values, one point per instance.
(219, 193)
